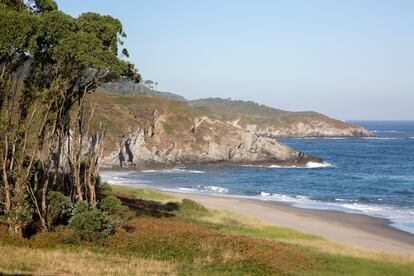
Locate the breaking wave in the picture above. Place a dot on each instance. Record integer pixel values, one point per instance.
(381, 138)
(175, 170)
(386, 131)
(401, 218)
(314, 165)
(309, 165)
(205, 189)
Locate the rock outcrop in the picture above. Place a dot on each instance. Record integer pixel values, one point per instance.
(272, 122)
(315, 128)
(210, 141)
(151, 131)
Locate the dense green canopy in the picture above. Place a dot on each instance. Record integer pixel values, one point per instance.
(48, 61)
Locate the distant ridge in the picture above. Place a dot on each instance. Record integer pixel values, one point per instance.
(267, 121)
(246, 107)
(129, 88)
(273, 122)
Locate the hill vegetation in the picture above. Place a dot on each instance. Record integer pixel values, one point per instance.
(270, 122)
(275, 122)
(165, 235)
(127, 87)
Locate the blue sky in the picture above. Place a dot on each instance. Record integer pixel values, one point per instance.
(349, 59)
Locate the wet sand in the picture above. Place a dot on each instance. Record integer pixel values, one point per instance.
(353, 229)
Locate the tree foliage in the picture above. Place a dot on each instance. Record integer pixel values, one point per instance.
(48, 62)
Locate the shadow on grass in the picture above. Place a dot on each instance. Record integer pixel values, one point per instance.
(148, 207)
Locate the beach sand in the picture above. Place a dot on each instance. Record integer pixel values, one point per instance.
(353, 229)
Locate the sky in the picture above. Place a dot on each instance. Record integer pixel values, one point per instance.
(349, 59)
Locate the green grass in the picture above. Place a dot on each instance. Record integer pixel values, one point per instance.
(195, 240)
(345, 265)
(332, 259)
(268, 232)
(145, 194)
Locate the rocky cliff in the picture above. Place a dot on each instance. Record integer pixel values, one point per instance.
(272, 122)
(150, 131)
(207, 141)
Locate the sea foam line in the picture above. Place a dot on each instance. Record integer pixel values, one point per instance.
(314, 165)
(175, 170)
(309, 165)
(386, 131)
(401, 218)
(204, 189)
(381, 138)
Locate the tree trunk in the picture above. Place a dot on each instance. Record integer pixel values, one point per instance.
(17, 218)
(44, 205)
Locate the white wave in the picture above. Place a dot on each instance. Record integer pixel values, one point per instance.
(314, 165)
(175, 170)
(282, 167)
(345, 200)
(411, 137)
(309, 165)
(284, 198)
(188, 171)
(362, 207)
(187, 189)
(401, 218)
(335, 138)
(272, 166)
(386, 131)
(276, 197)
(302, 198)
(340, 199)
(215, 189)
(381, 138)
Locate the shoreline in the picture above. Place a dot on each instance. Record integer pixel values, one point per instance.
(358, 230)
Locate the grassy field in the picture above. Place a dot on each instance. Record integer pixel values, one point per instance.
(166, 236)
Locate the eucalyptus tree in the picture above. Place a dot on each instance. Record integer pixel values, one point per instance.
(60, 59)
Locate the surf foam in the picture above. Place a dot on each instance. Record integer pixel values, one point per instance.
(314, 165)
(175, 170)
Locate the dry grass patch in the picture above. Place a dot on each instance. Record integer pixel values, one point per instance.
(190, 243)
(16, 260)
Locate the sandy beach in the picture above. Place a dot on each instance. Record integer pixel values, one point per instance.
(353, 229)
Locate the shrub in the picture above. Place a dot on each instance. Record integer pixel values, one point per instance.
(111, 205)
(118, 213)
(90, 224)
(80, 207)
(59, 208)
(105, 187)
(192, 206)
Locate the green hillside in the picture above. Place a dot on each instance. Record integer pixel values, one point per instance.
(129, 88)
(248, 112)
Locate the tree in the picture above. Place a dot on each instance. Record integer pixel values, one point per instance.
(49, 61)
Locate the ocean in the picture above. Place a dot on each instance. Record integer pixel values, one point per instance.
(372, 176)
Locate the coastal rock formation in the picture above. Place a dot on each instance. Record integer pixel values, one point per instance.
(207, 141)
(151, 131)
(314, 128)
(272, 122)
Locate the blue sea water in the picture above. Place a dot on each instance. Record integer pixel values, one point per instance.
(372, 176)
